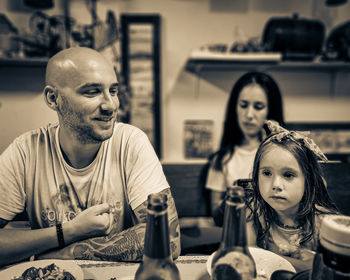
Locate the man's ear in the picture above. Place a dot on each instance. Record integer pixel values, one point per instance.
(50, 95)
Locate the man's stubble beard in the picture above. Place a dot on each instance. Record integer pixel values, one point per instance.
(73, 121)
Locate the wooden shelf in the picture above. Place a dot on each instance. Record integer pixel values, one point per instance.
(24, 62)
(216, 62)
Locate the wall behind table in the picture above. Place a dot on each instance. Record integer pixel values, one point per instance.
(187, 25)
(22, 106)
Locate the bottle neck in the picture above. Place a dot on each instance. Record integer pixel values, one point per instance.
(234, 228)
(157, 244)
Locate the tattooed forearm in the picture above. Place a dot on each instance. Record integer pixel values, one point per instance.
(141, 212)
(127, 245)
(124, 246)
(174, 227)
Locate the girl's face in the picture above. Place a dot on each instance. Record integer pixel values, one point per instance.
(281, 181)
(252, 110)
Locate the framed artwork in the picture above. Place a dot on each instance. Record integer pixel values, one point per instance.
(140, 65)
(332, 138)
(198, 138)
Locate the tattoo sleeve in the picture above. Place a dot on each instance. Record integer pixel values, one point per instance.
(174, 227)
(128, 245)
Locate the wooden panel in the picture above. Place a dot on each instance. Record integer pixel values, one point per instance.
(187, 187)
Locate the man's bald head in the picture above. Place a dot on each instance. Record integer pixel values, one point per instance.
(67, 65)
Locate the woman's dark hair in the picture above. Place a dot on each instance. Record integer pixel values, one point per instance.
(315, 193)
(232, 134)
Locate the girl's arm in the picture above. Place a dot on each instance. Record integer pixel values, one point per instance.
(251, 234)
(216, 199)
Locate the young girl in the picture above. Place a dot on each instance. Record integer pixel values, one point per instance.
(290, 196)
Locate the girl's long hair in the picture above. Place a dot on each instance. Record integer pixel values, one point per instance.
(315, 200)
(232, 134)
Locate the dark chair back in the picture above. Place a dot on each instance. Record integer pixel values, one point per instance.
(337, 175)
(187, 182)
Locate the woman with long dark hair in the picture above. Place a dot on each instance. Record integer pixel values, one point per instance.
(255, 97)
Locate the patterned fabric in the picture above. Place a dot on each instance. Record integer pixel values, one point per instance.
(279, 133)
(286, 242)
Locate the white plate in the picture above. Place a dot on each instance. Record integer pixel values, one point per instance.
(266, 262)
(67, 265)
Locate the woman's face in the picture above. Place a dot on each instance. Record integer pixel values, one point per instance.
(252, 110)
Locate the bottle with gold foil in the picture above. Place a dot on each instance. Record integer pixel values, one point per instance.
(157, 263)
(233, 260)
(332, 261)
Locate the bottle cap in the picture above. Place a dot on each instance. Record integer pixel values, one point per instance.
(235, 194)
(335, 234)
(157, 202)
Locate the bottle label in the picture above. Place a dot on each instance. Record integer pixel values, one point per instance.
(234, 265)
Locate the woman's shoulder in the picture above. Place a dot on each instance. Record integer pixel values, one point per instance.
(218, 156)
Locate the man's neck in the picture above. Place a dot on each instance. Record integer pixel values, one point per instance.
(76, 154)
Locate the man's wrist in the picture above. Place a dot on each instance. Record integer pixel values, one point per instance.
(60, 236)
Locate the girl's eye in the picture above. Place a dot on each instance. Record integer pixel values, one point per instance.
(289, 175)
(266, 173)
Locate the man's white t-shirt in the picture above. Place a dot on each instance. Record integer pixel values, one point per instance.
(239, 166)
(34, 176)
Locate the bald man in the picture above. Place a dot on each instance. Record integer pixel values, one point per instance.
(83, 181)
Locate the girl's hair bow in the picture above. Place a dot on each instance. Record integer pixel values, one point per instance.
(278, 133)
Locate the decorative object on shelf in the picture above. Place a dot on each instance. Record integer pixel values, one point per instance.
(39, 4)
(296, 38)
(97, 35)
(140, 45)
(47, 35)
(338, 43)
(9, 46)
(332, 3)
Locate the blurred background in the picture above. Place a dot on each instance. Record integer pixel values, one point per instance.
(179, 78)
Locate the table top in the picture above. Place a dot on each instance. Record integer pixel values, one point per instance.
(190, 267)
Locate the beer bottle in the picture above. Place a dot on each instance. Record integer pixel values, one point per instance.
(332, 260)
(233, 260)
(157, 262)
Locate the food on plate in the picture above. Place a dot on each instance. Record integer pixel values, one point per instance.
(49, 272)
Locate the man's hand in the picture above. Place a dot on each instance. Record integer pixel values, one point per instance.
(92, 222)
